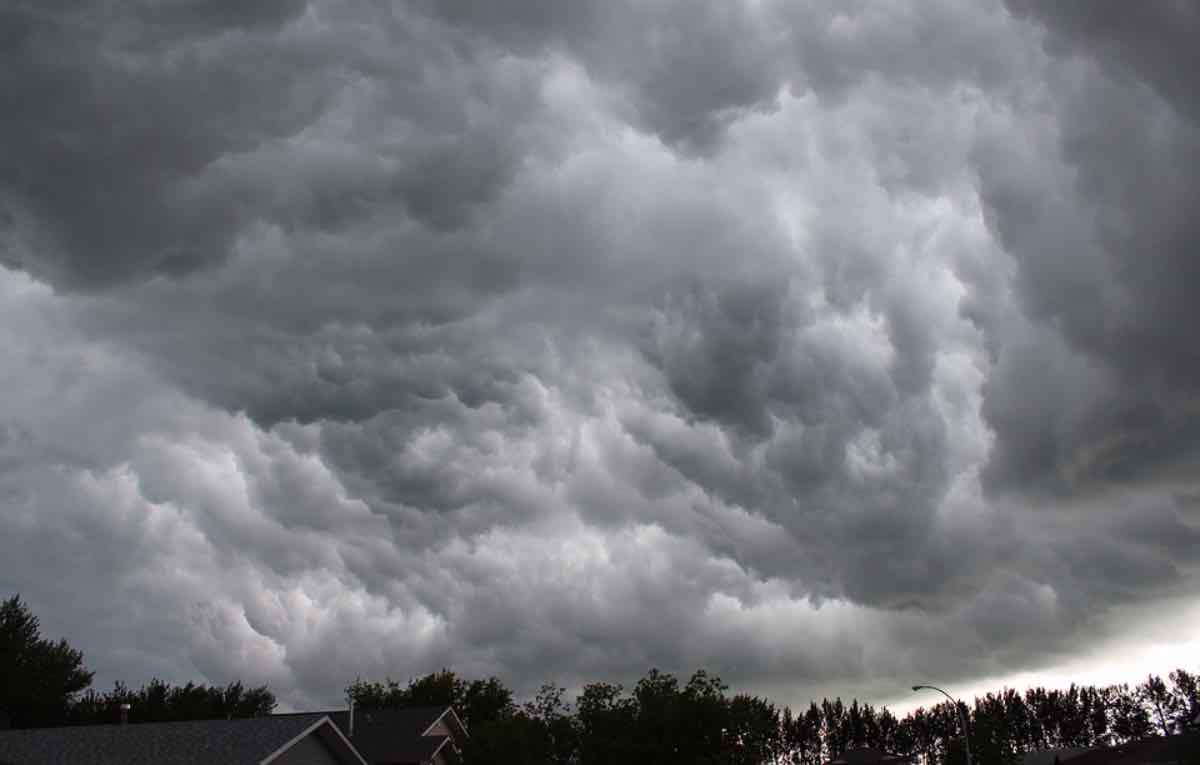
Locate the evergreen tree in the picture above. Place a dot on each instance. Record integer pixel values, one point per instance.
(158, 701)
(39, 678)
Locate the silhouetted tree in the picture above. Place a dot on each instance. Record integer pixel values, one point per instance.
(834, 728)
(1094, 703)
(553, 725)
(389, 693)
(1185, 689)
(664, 721)
(752, 731)
(606, 720)
(992, 741)
(516, 739)
(955, 753)
(158, 701)
(39, 678)
(485, 701)
(1161, 702)
(802, 736)
(1130, 719)
(888, 728)
(476, 702)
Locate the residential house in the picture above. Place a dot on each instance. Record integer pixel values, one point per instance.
(404, 736)
(412, 736)
(275, 740)
(1180, 749)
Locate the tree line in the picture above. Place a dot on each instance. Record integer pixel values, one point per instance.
(661, 718)
(44, 683)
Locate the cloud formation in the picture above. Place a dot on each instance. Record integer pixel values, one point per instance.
(822, 347)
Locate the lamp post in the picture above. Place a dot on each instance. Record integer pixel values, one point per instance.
(962, 721)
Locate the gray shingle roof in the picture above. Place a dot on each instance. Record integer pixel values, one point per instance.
(391, 736)
(1181, 748)
(199, 742)
(412, 721)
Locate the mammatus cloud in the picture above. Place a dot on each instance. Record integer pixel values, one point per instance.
(845, 347)
(1099, 210)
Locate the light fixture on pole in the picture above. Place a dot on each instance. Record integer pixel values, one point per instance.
(962, 721)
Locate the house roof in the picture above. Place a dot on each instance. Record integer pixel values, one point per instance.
(866, 756)
(411, 720)
(390, 736)
(393, 736)
(1048, 756)
(1170, 749)
(197, 742)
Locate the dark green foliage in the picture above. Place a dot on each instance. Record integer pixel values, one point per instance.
(41, 683)
(659, 721)
(956, 753)
(157, 701)
(39, 678)
(992, 738)
(485, 701)
(606, 719)
(476, 702)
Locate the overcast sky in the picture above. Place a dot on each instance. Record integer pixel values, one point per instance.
(831, 346)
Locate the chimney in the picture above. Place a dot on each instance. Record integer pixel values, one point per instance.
(350, 733)
(125, 713)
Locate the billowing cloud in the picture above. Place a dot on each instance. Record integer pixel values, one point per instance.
(824, 347)
(1094, 199)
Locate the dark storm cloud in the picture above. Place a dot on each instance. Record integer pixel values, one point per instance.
(121, 144)
(687, 69)
(561, 340)
(1101, 215)
(1151, 41)
(103, 127)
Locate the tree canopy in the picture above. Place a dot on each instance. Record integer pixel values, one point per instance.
(39, 678)
(662, 719)
(42, 683)
(159, 701)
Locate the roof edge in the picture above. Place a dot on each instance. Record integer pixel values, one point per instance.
(345, 740)
(324, 720)
(457, 722)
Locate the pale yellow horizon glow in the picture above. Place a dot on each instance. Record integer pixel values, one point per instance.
(1167, 639)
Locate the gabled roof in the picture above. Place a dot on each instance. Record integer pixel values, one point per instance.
(413, 721)
(393, 736)
(198, 742)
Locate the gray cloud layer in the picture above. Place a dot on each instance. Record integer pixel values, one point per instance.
(559, 341)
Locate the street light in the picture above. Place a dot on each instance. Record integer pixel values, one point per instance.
(962, 721)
